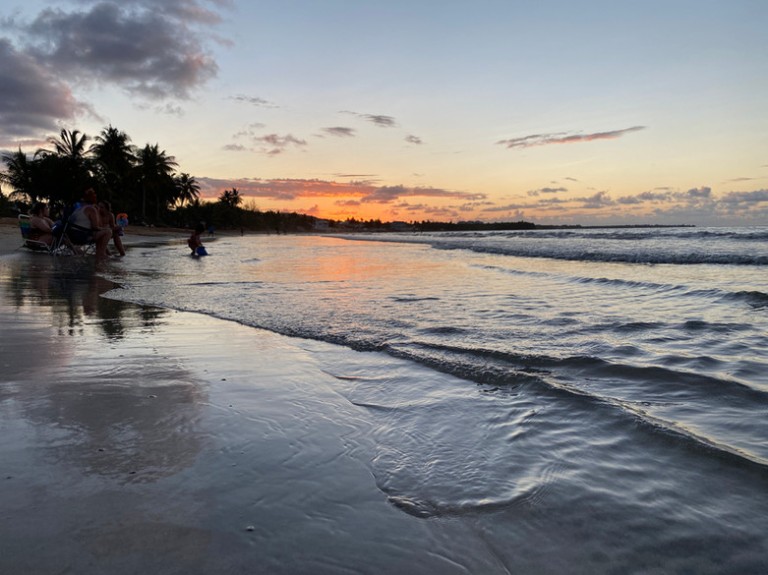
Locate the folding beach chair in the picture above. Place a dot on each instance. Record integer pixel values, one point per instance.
(25, 225)
(77, 236)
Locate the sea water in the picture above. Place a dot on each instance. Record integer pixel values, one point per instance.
(599, 399)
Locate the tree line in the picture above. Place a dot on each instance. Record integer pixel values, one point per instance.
(141, 181)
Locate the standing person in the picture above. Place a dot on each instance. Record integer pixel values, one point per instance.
(108, 220)
(195, 243)
(85, 225)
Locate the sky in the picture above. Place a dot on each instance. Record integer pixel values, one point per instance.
(551, 111)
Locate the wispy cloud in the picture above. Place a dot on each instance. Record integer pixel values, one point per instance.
(254, 100)
(565, 138)
(547, 191)
(340, 131)
(387, 194)
(379, 120)
(276, 144)
(411, 139)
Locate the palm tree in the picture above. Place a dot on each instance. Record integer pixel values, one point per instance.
(114, 158)
(72, 163)
(231, 198)
(187, 189)
(70, 144)
(18, 175)
(155, 175)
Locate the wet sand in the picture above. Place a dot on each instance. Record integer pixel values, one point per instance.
(141, 440)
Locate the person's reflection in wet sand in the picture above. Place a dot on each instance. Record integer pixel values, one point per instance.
(126, 416)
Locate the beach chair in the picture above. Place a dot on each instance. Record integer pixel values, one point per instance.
(72, 236)
(25, 226)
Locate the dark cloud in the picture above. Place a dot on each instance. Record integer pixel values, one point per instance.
(646, 197)
(598, 200)
(149, 49)
(703, 192)
(745, 198)
(564, 138)
(340, 132)
(31, 98)
(413, 139)
(186, 10)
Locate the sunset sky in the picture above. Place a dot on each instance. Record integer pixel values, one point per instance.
(553, 111)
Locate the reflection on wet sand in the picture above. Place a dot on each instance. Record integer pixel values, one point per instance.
(119, 412)
(71, 289)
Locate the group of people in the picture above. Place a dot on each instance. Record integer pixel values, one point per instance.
(92, 221)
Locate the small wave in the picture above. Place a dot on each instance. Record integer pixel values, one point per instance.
(228, 283)
(412, 299)
(756, 299)
(444, 330)
(592, 255)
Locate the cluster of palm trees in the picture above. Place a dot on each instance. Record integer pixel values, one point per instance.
(140, 181)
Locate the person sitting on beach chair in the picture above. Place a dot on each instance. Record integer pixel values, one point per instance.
(40, 225)
(84, 225)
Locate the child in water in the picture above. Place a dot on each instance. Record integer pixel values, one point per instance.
(195, 243)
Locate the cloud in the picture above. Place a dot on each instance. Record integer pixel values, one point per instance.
(696, 193)
(32, 99)
(277, 144)
(293, 189)
(354, 175)
(745, 199)
(235, 148)
(413, 139)
(596, 201)
(340, 132)
(565, 138)
(255, 100)
(547, 191)
(388, 194)
(154, 50)
(381, 121)
(378, 119)
(646, 197)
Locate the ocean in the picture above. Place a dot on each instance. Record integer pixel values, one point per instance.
(584, 400)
